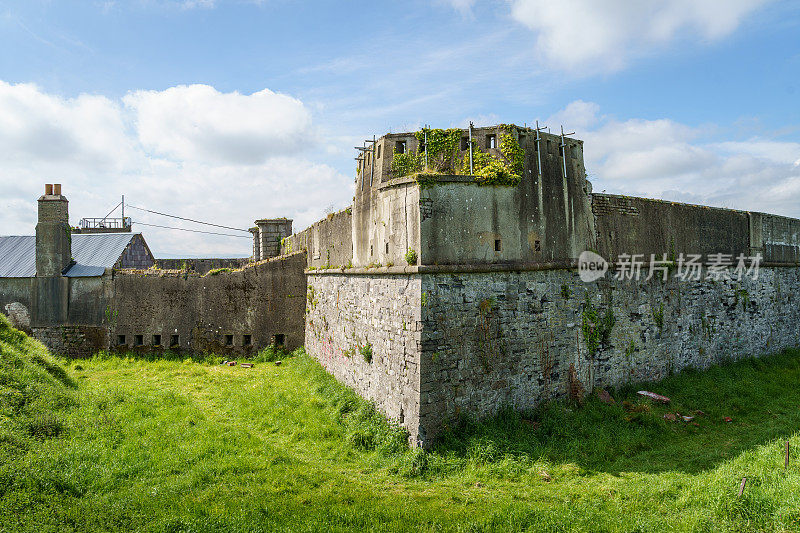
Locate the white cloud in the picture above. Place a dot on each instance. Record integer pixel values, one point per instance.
(592, 36)
(197, 122)
(87, 130)
(666, 159)
(99, 149)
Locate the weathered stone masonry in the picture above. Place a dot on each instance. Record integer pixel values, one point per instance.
(495, 313)
(348, 316)
(240, 311)
(508, 338)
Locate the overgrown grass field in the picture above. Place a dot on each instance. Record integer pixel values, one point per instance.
(126, 444)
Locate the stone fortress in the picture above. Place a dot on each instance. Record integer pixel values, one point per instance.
(449, 287)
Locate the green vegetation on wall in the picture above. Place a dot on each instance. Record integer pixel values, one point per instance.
(596, 328)
(443, 158)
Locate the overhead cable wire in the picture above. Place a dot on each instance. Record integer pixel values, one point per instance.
(192, 230)
(187, 219)
(115, 208)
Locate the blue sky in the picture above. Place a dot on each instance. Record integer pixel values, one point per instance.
(236, 110)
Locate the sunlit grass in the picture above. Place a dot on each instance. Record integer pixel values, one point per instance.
(190, 446)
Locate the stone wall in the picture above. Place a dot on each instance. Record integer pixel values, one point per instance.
(136, 255)
(239, 311)
(72, 341)
(328, 242)
(508, 338)
(349, 316)
(779, 238)
(629, 225)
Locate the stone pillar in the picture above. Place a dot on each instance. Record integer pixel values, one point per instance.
(256, 244)
(270, 233)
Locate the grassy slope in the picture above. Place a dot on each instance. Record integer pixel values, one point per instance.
(34, 392)
(173, 446)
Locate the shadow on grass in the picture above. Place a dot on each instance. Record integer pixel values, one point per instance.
(760, 396)
(266, 355)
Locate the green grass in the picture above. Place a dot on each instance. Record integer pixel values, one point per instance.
(171, 445)
(34, 392)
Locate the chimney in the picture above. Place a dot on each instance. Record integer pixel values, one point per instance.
(53, 234)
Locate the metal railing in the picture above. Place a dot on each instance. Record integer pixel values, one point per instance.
(105, 223)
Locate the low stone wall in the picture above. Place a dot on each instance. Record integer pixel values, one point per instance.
(352, 318)
(237, 312)
(509, 338)
(72, 341)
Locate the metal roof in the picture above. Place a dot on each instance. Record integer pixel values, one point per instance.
(93, 253)
(18, 256)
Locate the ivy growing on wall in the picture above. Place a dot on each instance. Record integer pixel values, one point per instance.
(442, 148)
(443, 158)
(407, 163)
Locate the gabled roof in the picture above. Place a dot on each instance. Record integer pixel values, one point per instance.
(93, 253)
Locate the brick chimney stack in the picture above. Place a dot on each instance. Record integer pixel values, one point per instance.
(53, 235)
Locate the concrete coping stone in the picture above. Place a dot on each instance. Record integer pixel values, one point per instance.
(431, 269)
(174, 273)
(487, 267)
(440, 178)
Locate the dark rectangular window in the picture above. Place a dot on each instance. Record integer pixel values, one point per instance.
(464, 143)
(156, 340)
(138, 340)
(537, 246)
(120, 340)
(387, 247)
(497, 245)
(175, 340)
(228, 340)
(379, 151)
(573, 150)
(280, 338)
(400, 147)
(491, 141)
(247, 340)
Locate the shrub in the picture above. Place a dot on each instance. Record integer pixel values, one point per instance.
(269, 354)
(411, 257)
(366, 352)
